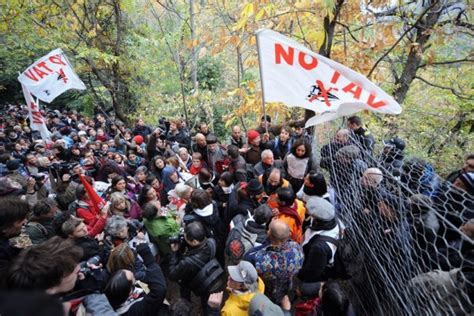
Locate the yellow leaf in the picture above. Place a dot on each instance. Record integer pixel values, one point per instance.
(241, 23)
(251, 85)
(247, 10)
(260, 14)
(316, 36)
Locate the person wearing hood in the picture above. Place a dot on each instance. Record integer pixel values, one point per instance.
(319, 254)
(203, 209)
(247, 231)
(243, 283)
(170, 178)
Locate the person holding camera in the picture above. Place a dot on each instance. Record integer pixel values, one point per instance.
(158, 146)
(189, 258)
(127, 298)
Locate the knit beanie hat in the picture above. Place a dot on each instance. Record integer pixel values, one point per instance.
(320, 209)
(254, 187)
(138, 139)
(251, 135)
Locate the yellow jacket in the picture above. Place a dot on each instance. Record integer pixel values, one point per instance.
(238, 305)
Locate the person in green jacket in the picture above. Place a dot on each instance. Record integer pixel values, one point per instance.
(160, 224)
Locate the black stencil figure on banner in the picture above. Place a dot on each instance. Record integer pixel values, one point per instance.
(320, 93)
(62, 76)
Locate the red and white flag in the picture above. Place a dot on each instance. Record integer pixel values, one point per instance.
(297, 77)
(50, 76)
(37, 122)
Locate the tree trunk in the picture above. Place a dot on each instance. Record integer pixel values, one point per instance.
(325, 49)
(417, 49)
(193, 47)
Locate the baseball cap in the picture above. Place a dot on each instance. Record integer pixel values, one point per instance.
(244, 272)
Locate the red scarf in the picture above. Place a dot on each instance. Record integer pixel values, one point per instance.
(292, 212)
(194, 171)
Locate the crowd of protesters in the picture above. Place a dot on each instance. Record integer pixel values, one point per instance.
(103, 218)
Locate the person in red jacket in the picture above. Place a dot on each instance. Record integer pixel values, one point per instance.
(94, 217)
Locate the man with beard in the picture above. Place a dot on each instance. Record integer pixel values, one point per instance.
(236, 138)
(216, 154)
(272, 179)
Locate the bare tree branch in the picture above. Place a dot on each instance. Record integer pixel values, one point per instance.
(447, 62)
(453, 91)
(465, 24)
(348, 30)
(400, 38)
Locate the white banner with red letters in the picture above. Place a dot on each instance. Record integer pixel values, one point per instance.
(37, 121)
(297, 77)
(50, 76)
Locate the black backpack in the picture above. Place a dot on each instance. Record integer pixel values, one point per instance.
(239, 241)
(209, 279)
(343, 257)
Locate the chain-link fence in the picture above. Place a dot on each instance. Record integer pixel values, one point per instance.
(411, 232)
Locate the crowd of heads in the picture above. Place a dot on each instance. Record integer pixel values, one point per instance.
(99, 205)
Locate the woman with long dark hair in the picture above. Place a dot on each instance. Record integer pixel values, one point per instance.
(297, 163)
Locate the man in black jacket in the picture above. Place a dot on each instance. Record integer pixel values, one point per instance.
(183, 267)
(318, 251)
(360, 134)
